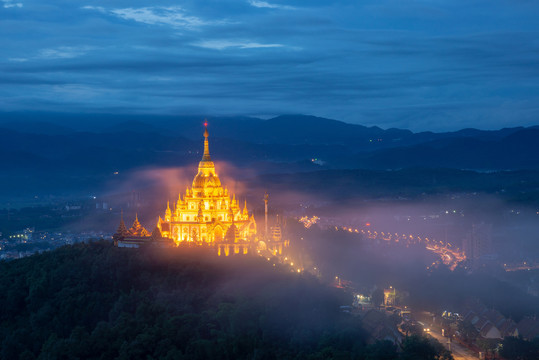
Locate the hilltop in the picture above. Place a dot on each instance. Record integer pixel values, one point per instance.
(95, 301)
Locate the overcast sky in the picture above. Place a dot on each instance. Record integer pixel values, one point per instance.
(421, 64)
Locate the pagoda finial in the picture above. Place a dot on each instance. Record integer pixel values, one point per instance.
(168, 213)
(206, 156)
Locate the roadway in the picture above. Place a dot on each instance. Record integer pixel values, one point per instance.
(459, 352)
(449, 255)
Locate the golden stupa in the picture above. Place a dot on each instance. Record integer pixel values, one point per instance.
(208, 215)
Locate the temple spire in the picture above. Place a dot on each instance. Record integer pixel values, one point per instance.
(137, 229)
(122, 229)
(168, 213)
(206, 156)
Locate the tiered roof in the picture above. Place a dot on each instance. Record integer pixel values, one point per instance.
(137, 229)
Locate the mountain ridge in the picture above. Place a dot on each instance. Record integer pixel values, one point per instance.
(309, 142)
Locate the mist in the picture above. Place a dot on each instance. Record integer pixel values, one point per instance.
(440, 239)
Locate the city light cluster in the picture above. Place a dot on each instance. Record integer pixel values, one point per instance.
(308, 222)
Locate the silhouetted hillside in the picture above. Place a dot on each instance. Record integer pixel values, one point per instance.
(519, 150)
(45, 153)
(408, 183)
(122, 142)
(282, 139)
(95, 301)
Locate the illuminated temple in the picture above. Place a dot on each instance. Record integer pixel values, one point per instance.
(207, 215)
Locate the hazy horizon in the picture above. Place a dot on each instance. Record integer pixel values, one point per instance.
(71, 118)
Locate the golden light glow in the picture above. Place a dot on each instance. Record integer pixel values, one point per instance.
(449, 255)
(208, 214)
(308, 222)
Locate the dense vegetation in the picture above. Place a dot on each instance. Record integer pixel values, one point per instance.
(95, 301)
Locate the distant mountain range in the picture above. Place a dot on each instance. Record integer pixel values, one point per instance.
(287, 143)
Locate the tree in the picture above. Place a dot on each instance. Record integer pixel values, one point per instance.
(411, 328)
(377, 297)
(421, 348)
(513, 348)
(381, 350)
(488, 345)
(417, 347)
(468, 331)
(98, 301)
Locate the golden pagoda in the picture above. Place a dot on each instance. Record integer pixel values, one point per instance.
(208, 215)
(137, 229)
(137, 235)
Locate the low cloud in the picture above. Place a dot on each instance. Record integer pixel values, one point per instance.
(96, 8)
(264, 4)
(174, 16)
(10, 4)
(63, 52)
(224, 44)
(18, 59)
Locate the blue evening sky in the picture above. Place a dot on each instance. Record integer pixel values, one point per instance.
(419, 64)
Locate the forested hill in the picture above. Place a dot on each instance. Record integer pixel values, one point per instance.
(95, 301)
